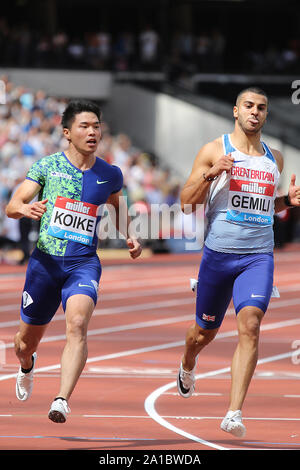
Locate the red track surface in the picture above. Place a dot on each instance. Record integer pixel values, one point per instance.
(126, 398)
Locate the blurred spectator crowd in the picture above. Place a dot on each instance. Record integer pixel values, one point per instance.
(180, 52)
(20, 46)
(30, 128)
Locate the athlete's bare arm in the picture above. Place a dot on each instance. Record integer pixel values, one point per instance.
(122, 222)
(19, 205)
(209, 163)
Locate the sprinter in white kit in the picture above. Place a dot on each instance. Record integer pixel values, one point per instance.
(236, 176)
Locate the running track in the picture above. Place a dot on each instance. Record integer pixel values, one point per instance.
(126, 398)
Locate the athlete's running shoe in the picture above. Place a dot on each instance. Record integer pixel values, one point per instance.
(24, 383)
(186, 382)
(59, 410)
(233, 423)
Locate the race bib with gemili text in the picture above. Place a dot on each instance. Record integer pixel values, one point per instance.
(251, 194)
(73, 220)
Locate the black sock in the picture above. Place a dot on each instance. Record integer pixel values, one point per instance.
(59, 398)
(25, 371)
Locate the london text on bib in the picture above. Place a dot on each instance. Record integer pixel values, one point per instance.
(251, 195)
(73, 220)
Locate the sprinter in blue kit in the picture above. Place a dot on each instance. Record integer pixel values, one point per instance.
(64, 267)
(247, 279)
(236, 176)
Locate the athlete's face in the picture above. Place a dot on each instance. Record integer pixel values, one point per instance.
(85, 133)
(251, 112)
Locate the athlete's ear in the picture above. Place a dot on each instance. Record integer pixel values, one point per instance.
(66, 132)
(235, 111)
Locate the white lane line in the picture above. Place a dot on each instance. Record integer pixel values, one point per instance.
(105, 296)
(119, 310)
(137, 281)
(150, 409)
(81, 438)
(118, 295)
(151, 324)
(151, 399)
(175, 344)
(131, 352)
(198, 394)
(256, 418)
(192, 418)
(113, 297)
(117, 416)
(155, 305)
(113, 329)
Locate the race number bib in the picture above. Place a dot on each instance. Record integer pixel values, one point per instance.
(73, 220)
(251, 195)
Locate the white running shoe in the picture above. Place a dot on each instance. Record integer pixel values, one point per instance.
(59, 410)
(233, 423)
(24, 383)
(186, 382)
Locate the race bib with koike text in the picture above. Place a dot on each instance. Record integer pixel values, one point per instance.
(251, 196)
(73, 220)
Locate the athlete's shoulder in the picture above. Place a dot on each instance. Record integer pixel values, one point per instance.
(212, 146)
(278, 157)
(48, 159)
(211, 150)
(39, 169)
(276, 154)
(55, 156)
(103, 164)
(112, 172)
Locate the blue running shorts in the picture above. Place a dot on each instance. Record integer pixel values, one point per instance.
(245, 278)
(51, 280)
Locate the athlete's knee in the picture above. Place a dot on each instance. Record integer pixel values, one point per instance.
(199, 337)
(25, 345)
(249, 324)
(76, 327)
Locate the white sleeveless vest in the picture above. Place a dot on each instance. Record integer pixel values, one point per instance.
(240, 204)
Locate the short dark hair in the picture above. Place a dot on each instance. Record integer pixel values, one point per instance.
(75, 107)
(251, 89)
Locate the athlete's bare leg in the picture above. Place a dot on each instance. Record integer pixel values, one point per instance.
(26, 342)
(79, 310)
(246, 354)
(196, 339)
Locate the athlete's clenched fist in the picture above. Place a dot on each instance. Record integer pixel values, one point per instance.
(36, 209)
(224, 163)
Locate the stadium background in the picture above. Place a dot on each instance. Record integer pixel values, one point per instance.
(165, 74)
